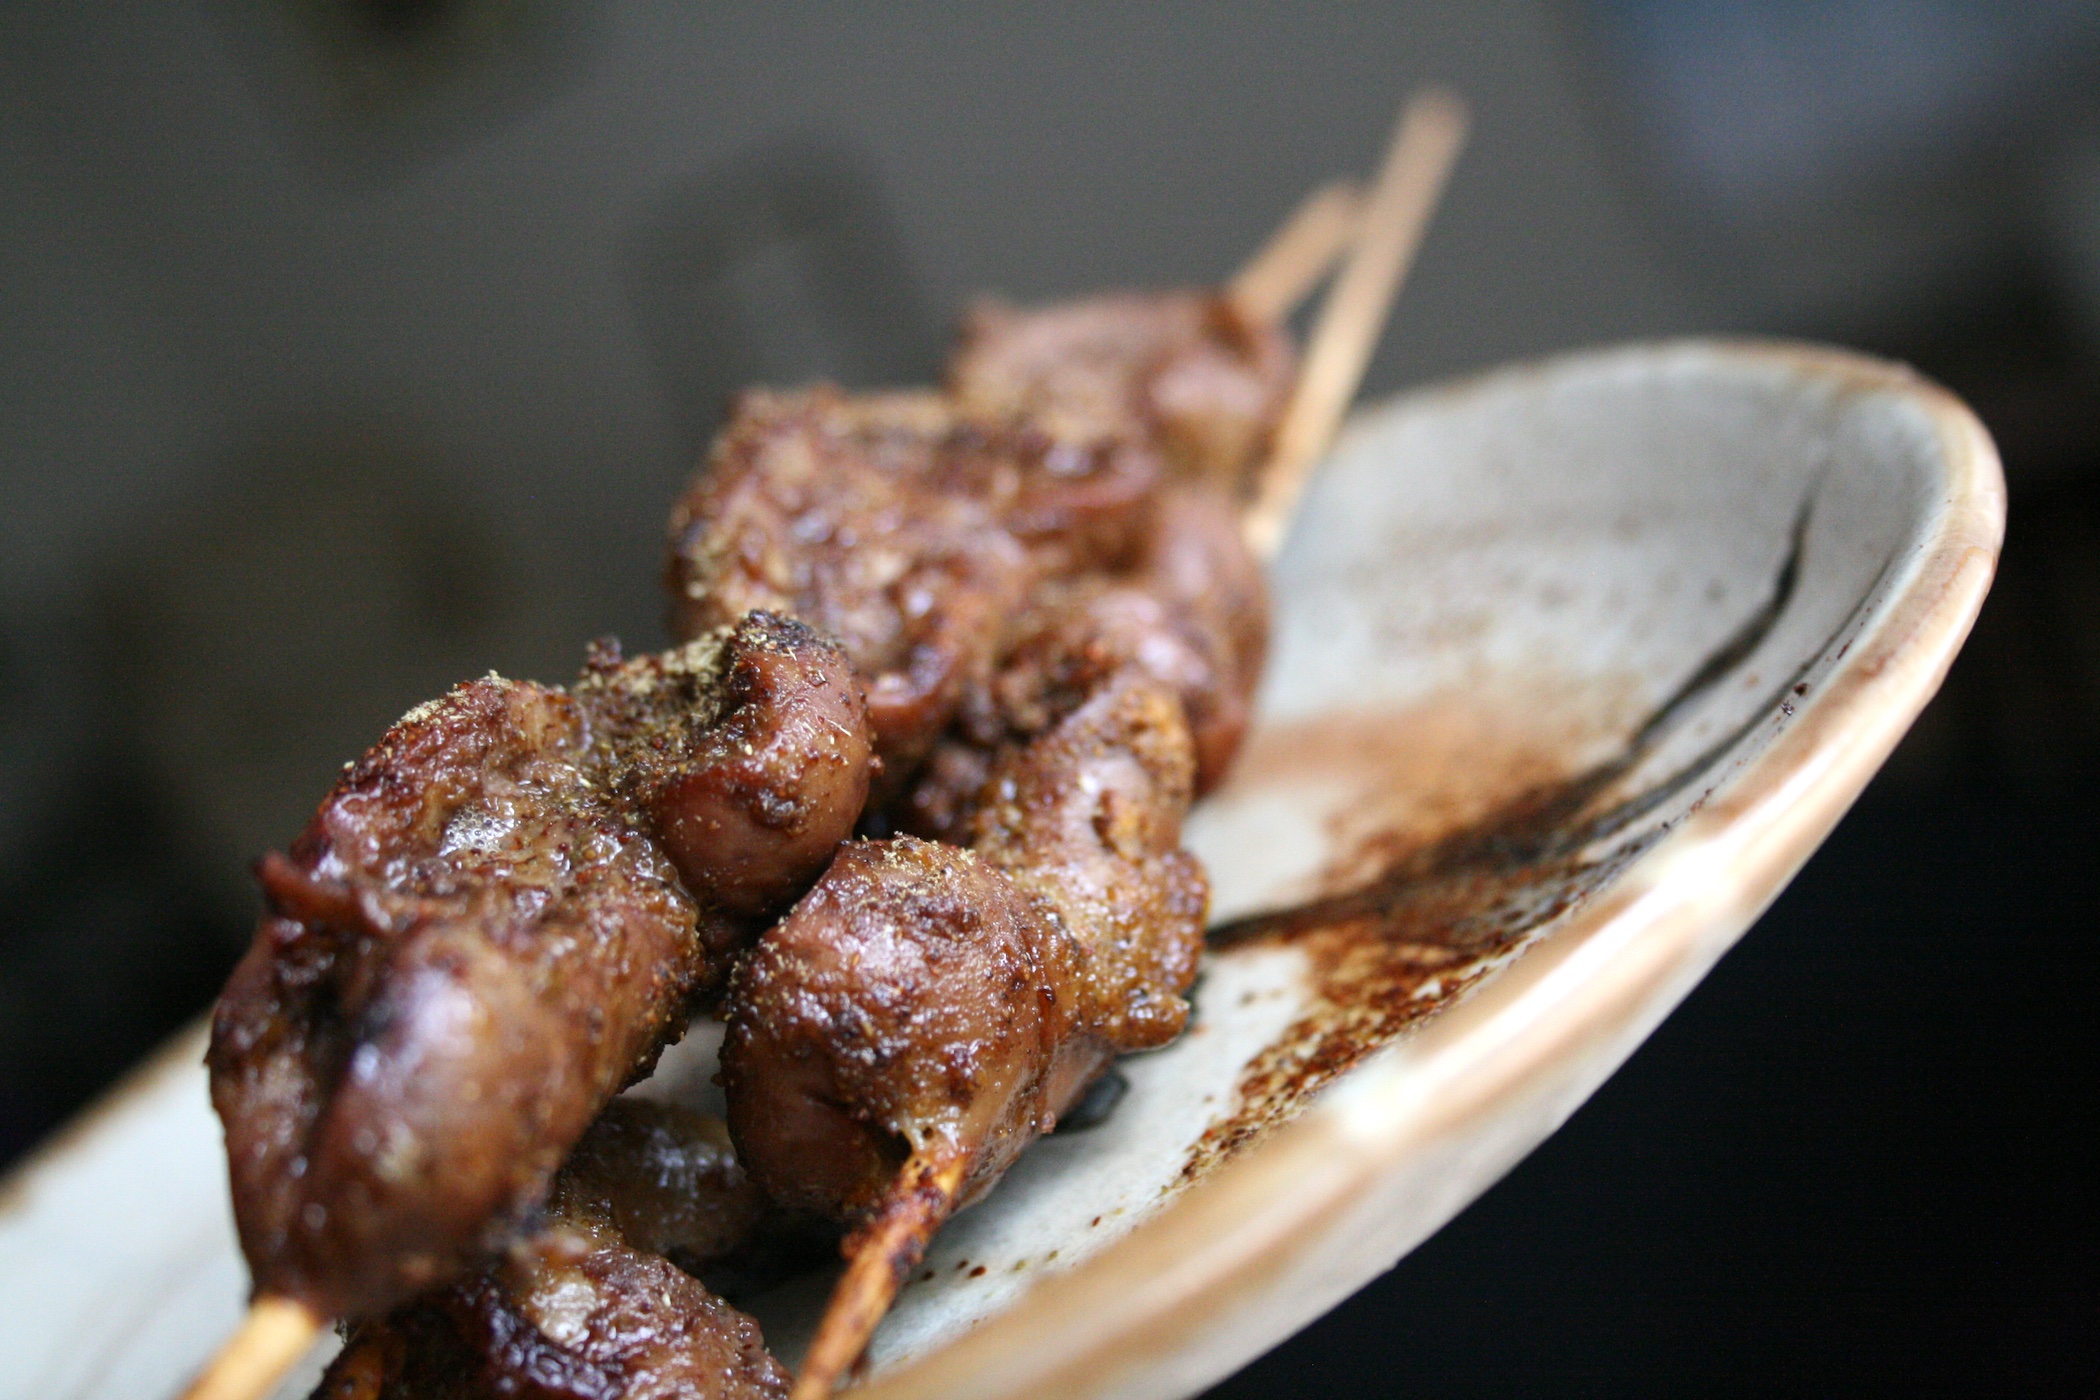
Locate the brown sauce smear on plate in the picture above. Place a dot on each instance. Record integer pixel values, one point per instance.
(1389, 951)
(1404, 923)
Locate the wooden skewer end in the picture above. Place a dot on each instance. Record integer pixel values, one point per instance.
(879, 1257)
(1425, 144)
(271, 1339)
(1291, 264)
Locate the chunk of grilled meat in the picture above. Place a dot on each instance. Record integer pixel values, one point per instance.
(926, 1000)
(590, 1307)
(1184, 371)
(483, 933)
(911, 534)
(1191, 613)
(746, 752)
(926, 1012)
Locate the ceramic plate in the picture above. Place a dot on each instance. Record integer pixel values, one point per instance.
(1575, 665)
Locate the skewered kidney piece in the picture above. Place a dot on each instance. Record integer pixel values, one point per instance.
(498, 918)
(910, 533)
(1188, 371)
(926, 1011)
(590, 1304)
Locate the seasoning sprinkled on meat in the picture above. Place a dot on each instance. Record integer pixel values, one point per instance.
(498, 918)
(1182, 371)
(590, 1305)
(908, 532)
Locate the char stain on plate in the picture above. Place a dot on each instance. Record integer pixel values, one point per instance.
(1401, 926)
(1394, 950)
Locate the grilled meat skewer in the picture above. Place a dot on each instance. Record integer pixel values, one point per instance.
(1013, 521)
(257, 1354)
(1011, 509)
(926, 1012)
(498, 918)
(935, 1175)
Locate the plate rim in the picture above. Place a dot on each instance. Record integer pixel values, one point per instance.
(1606, 976)
(1609, 973)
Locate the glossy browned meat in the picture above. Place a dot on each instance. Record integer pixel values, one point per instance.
(928, 1000)
(912, 994)
(479, 938)
(666, 1178)
(909, 533)
(1191, 613)
(589, 1307)
(1181, 370)
(748, 750)
(1088, 818)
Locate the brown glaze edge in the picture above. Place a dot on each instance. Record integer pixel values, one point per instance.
(1189, 1282)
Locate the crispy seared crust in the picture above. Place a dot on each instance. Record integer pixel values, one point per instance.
(908, 533)
(481, 936)
(589, 1307)
(1182, 371)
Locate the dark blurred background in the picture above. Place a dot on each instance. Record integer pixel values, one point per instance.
(350, 347)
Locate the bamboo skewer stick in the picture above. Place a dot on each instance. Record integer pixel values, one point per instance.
(878, 1259)
(1286, 268)
(1385, 232)
(275, 1334)
(1425, 143)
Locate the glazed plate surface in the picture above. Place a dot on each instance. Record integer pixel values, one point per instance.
(1575, 664)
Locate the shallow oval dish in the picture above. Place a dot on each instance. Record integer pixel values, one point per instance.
(1576, 663)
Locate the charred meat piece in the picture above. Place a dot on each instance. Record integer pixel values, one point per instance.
(1181, 370)
(746, 751)
(590, 1307)
(466, 953)
(481, 936)
(910, 999)
(928, 1002)
(926, 1012)
(909, 533)
(1191, 613)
